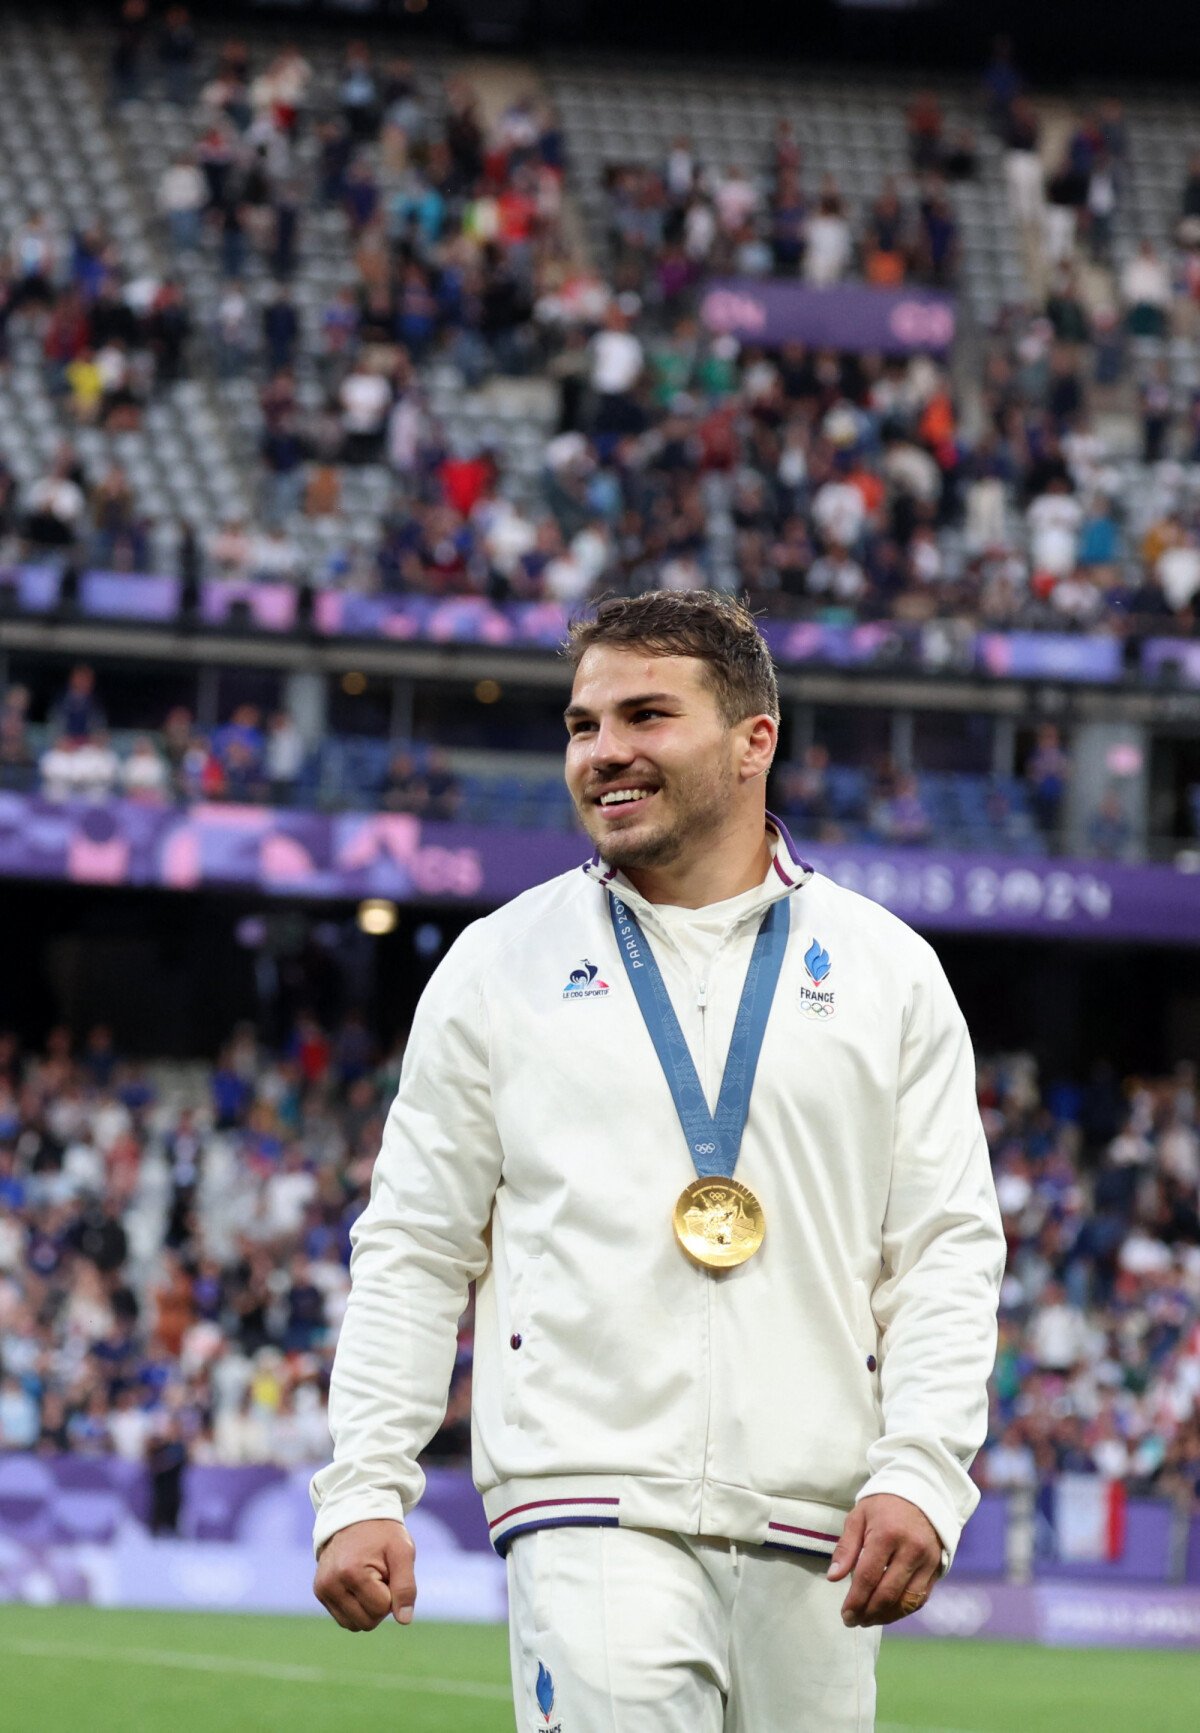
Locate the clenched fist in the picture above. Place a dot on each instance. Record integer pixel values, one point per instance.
(365, 1572)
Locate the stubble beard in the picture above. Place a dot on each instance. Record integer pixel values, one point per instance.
(702, 802)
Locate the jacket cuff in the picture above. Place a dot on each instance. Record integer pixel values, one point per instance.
(373, 1506)
(930, 1497)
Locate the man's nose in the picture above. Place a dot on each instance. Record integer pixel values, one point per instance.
(610, 744)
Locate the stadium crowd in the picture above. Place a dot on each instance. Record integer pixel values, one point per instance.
(844, 485)
(173, 1256)
(254, 759)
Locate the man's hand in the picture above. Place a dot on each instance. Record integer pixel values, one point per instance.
(895, 1554)
(365, 1572)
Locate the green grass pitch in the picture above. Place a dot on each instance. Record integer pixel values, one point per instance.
(82, 1670)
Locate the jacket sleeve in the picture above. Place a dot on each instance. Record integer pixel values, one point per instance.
(417, 1245)
(943, 1260)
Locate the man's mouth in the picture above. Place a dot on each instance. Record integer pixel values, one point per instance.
(615, 800)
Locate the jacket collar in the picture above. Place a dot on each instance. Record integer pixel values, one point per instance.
(787, 873)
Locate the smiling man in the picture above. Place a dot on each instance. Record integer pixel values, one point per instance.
(702, 1126)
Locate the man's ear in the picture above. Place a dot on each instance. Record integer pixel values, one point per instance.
(761, 737)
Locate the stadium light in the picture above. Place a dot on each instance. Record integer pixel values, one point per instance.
(377, 917)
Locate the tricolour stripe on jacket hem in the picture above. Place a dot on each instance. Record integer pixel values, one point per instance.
(501, 1541)
(552, 1513)
(790, 1546)
(808, 1533)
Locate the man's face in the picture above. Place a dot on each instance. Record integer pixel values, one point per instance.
(652, 766)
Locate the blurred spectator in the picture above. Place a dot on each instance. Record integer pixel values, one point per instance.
(617, 361)
(166, 1459)
(1047, 770)
(75, 768)
(177, 54)
(365, 398)
(34, 262)
(128, 53)
(405, 788)
(1109, 830)
(284, 450)
(77, 713)
(281, 329)
(274, 556)
(55, 508)
(1146, 292)
(284, 755)
(144, 776)
(444, 791)
(16, 751)
(804, 792)
(829, 245)
(1023, 171)
(182, 197)
(899, 816)
(1157, 412)
(119, 539)
(231, 549)
(924, 125)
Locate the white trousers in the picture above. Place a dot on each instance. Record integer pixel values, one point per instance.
(620, 1630)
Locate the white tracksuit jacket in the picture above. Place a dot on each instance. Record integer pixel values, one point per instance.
(534, 1147)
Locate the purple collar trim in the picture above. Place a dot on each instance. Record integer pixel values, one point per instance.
(794, 854)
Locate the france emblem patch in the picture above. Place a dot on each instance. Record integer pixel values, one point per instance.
(544, 1692)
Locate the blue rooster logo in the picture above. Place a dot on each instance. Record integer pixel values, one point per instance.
(584, 975)
(545, 1691)
(816, 961)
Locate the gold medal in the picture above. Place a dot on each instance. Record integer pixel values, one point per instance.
(718, 1222)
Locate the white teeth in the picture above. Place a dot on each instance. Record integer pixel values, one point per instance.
(624, 794)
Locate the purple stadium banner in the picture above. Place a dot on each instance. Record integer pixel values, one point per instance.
(74, 1528)
(273, 607)
(1069, 1615)
(848, 316)
(843, 646)
(352, 855)
(33, 589)
(449, 620)
(1049, 656)
(269, 606)
(117, 596)
(1180, 655)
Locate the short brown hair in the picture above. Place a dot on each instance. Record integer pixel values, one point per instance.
(717, 630)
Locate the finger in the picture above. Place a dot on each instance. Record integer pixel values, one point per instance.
(341, 1605)
(849, 1546)
(919, 1589)
(371, 1590)
(399, 1557)
(904, 1589)
(873, 1560)
(897, 1583)
(358, 1599)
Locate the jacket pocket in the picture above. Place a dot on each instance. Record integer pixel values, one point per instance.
(522, 1352)
(867, 1333)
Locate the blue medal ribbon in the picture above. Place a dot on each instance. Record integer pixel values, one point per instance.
(713, 1140)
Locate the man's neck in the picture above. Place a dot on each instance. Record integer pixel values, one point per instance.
(724, 868)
